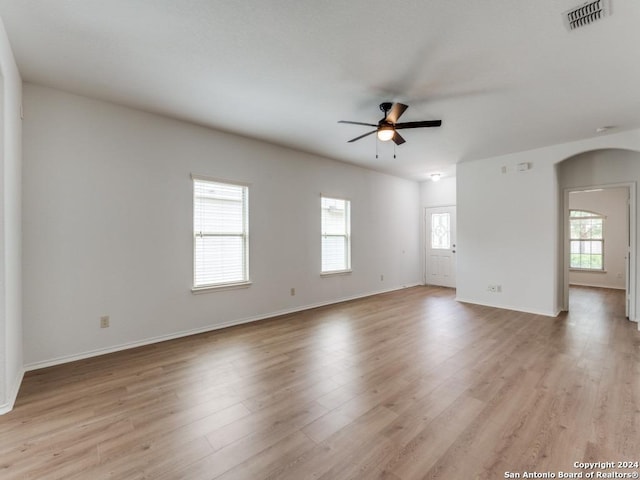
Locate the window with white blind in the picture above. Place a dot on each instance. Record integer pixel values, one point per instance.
(220, 233)
(587, 240)
(336, 235)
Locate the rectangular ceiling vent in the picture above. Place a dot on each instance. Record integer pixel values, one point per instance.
(586, 14)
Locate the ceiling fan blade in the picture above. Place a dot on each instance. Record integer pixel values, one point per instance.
(397, 138)
(396, 112)
(362, 136)
(425, 123)
(358, 123)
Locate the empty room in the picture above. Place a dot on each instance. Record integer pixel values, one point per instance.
(319, 240)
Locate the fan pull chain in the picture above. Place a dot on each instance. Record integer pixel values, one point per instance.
(376, 147)
(394, 150)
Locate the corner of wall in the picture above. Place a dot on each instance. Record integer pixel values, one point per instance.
(11, 349)
(12, 393)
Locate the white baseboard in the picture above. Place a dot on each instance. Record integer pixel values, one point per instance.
(581, 284)
(195, 331)
(510, 307)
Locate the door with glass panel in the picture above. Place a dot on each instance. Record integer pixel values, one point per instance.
(440, 246)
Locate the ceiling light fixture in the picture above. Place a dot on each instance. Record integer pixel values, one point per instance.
(385, 133)
(435, 177)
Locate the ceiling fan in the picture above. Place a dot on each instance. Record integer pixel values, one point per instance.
(387, 128)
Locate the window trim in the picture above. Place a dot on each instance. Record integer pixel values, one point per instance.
(347, 236)
(593, 215)
(198, 289)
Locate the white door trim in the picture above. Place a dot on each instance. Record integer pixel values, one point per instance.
(632, 278)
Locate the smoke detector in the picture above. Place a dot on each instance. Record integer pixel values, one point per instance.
(586, 14)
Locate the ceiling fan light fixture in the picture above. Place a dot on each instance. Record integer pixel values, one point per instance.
(387, 128)
(385, 134)
(435, 177)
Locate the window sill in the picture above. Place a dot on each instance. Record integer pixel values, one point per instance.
(337, 272)
(217, 288)
(586, 270)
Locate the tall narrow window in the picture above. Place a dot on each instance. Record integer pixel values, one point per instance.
(220, 233)
(336, 235)
(587, 240)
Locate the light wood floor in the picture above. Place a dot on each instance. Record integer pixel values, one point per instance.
(404, 385)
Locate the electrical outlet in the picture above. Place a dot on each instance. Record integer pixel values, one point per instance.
(104, 321)
(293, 292)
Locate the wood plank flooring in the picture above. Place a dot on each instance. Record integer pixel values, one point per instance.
(404, 385)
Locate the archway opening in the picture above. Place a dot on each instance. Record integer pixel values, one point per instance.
(605, 182)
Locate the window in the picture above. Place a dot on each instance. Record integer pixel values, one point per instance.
(440, 231)
(336, 235)
(220, 233)
(587, 240)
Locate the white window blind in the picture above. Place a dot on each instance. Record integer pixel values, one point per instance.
(336, 235)
(220, 233)
(587, 240)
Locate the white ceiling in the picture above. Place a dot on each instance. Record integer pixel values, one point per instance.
(503, 75)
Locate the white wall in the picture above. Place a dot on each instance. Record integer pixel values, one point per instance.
(509, 225)
(108, 218)
(506, 235)
(612, 204)
(438, 194)
(11, 357)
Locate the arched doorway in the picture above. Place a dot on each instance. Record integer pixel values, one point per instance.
(592, 171)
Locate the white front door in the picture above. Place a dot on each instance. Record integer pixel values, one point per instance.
(441, 246)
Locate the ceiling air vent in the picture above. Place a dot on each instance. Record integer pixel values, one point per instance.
(586, 14)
